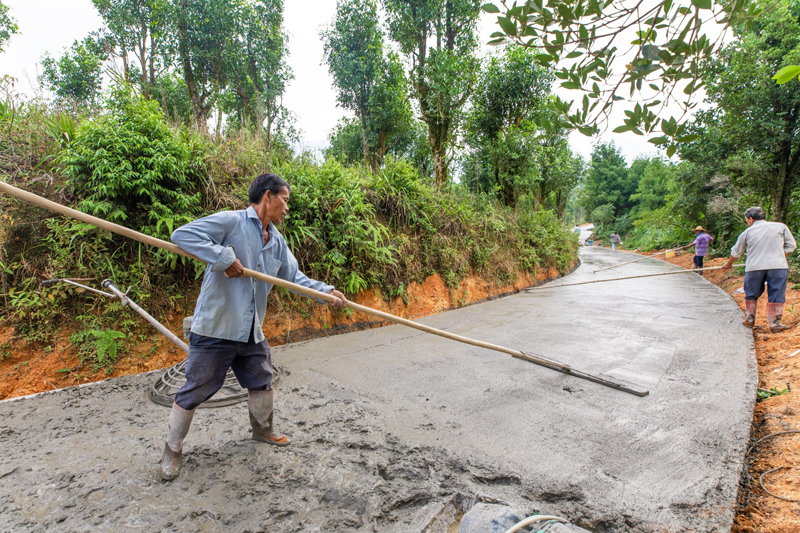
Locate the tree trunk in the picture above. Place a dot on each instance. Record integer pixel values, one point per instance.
(191, 83)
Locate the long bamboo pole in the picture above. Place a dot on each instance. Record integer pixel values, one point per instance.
(683, 271)
(631, 262)
(135, 235)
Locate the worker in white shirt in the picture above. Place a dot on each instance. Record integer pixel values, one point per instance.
(766, 244)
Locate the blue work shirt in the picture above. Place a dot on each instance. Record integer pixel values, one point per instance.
(228, 307)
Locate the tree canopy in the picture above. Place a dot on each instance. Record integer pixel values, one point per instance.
(752, 134)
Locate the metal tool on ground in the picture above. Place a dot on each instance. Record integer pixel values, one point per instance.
(163, 389)
(631, 262)
(153, 241)
(627, 277)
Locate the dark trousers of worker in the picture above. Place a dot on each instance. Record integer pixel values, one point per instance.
(775, 280)
(209, 360)
(698, 262)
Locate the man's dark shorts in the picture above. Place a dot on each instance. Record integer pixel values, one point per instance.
(776, 285)
(209, 360)
(698, 261)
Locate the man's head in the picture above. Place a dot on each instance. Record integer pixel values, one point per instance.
(269, 195)
(754, 213)
(699, 230)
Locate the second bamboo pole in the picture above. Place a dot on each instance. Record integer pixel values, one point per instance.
(684, 271)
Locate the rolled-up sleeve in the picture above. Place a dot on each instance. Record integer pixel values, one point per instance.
(739, 248)
(204, 238)
(789, 243)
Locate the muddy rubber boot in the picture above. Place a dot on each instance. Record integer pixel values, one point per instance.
(260, 404)
(172, 461)
(750, 313)
(774, 316)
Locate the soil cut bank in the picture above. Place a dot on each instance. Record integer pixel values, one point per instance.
(27, 368)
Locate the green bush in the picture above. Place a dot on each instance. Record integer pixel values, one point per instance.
(129, 166)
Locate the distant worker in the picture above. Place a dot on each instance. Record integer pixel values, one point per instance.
(226, 329)
(766, 244)
(700, 244)
(615, 240)
(576, 229)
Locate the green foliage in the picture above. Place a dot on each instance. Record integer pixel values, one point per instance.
(763, 394)
(753, 133)
(171, 92)
(508, 155)
(608, 183)
(98, 347)
(76, 77)
(258, 72)
(140, 32)
(580, 40)
(346, 141)
(129, 166)
(8, 27)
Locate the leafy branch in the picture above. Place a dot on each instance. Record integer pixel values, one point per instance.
(579, 40)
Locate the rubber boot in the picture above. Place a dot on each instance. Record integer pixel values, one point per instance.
(260, 404)
(172, 461)
(774, 315)
(750, 313)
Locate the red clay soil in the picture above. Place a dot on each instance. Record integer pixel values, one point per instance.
(29, 368)
(778, 368)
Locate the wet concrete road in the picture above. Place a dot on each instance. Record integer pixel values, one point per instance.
(392, 426)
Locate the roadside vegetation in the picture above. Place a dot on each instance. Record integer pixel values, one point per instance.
(154, 137)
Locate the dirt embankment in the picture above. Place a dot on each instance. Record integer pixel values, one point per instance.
(28, 368)
(778, 369)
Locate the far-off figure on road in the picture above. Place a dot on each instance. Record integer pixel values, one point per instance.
(766, 244)
(614, 240)
(700, 244)
(226, 329)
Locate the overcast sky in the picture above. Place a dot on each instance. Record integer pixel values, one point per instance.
(51, 25)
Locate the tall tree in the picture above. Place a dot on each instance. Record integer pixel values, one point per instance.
(654, 176)
(141, 30)
(205, 34)
(753, 133)
(75, 77)
(508, 101)
(557, 173)
(8, 26)
(438, 36)
(608, 185)
(258, 69)
(369, 82)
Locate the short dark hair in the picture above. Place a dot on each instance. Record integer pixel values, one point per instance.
(266, 182)
(756, 213)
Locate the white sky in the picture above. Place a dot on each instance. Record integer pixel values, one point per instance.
(51, 25)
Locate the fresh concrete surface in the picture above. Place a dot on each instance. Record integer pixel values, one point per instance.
(390, 426)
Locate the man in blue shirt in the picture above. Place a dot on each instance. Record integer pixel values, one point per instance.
(226, 328)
